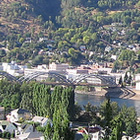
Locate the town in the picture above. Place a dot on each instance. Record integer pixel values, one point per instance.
(94, 75)
(73, 72)
(70, 69)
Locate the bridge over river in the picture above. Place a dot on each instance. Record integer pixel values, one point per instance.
(103, 80)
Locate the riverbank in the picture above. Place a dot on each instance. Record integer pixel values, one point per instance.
(123, 93)
(137, 95)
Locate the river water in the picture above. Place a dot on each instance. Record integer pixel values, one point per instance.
(83, 99)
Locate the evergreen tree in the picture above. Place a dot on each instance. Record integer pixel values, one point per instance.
(68, 101)
(125, 77)
(48, 134)
(26, 102)
(107, 116)
(129, 118)
(117, 128)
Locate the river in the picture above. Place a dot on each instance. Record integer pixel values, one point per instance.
(83, 99)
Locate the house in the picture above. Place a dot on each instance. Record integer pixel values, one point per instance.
(41, 52)
(131, 46)
(114, 57)
(28, 40)
(108, 48)
(127, 138)
(24, 128)
(49, 46)
(31, 136)
(95, 132)
(41, 120)
(19, 115)
(6, 126)
(82, 48)
(43, 39)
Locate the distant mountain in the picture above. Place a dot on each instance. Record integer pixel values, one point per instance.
(22, 16)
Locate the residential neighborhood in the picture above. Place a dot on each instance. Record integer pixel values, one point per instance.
(20, 124)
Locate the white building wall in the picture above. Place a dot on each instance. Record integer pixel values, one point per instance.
(58, 67)
(12, 68)
(137, 79)
(76, 71)
(95, 136)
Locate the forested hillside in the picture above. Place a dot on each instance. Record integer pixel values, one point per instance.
(66, 25)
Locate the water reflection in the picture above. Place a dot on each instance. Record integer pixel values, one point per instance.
(83, 99)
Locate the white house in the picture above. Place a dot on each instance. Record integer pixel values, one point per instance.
(41, 120)
(19, 115)
(114, 57)
(108, 48)
(6, 126)
(128, 138)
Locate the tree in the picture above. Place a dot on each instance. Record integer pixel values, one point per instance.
(120, 81)
(2, 53)
(48, 132)
(125, 77)
(129, 79)
(106, 112)
(126, 55)
(129, 118)
(92, 112)
(127, 20)
(37, 60)
(117, 128)
(26, 102)
(68, 96)
(21, 40)
(116, 66)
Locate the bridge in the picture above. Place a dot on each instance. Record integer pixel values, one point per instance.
(106, 80)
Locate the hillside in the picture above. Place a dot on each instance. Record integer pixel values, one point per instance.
(22, 17)
(69, 24)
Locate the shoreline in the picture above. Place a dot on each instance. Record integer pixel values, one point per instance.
(122, 93)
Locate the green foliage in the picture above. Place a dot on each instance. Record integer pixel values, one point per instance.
(129, 121)
(60, 107)
(73, 23)
(6, 135)
(10, 95)
(75, 56)
(126, 55)
(37, 60)
(117, 128)
(92, 112)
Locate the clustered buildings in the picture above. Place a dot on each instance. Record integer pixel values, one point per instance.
(70, 72)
